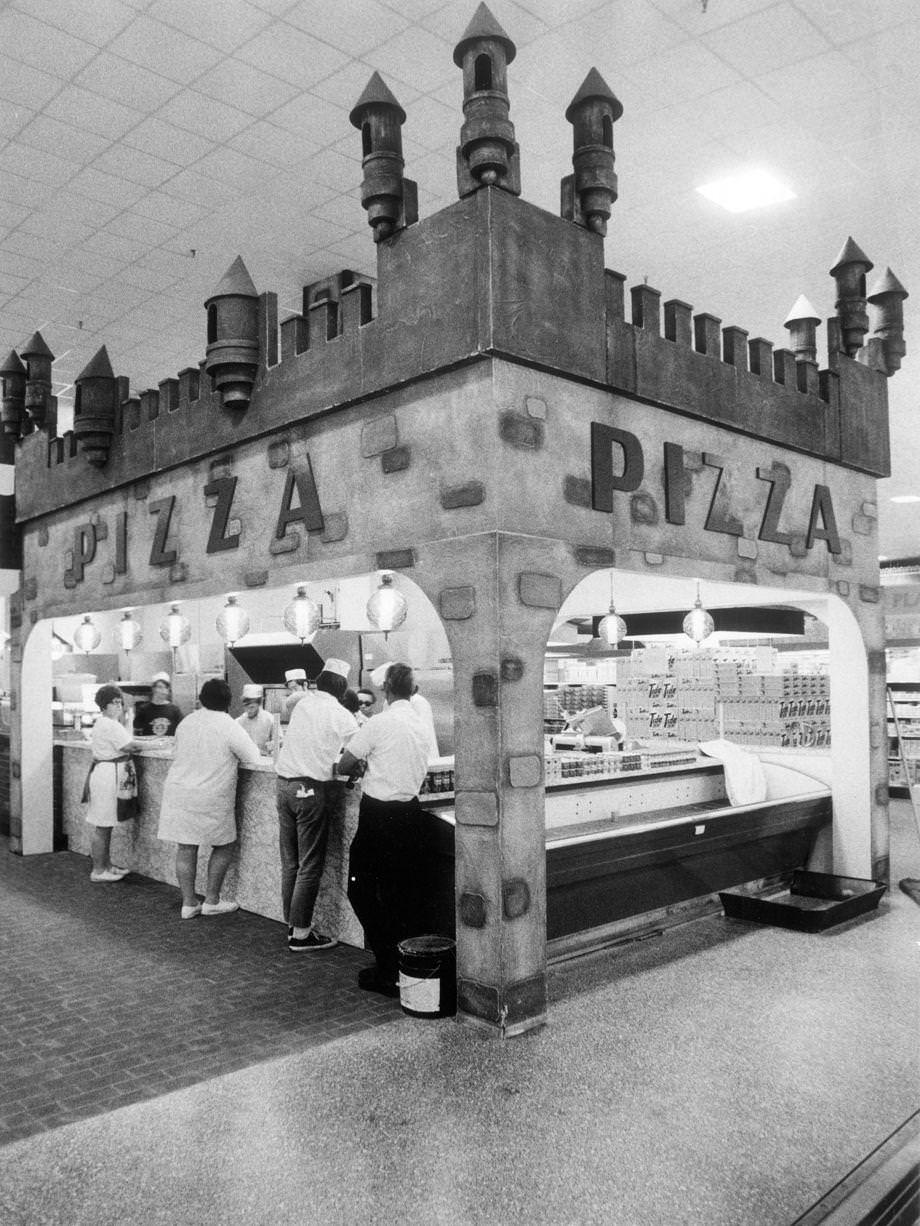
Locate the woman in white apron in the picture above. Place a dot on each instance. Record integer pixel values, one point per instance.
(111, 784)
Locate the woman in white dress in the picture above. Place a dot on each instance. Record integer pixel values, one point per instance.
(112, 772)
(199, 796)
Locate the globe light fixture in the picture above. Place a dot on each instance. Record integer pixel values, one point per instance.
(128, 634)
(86, 637)
(387, 608)
(612, 628)
(698, 624)
(175, 629)
(302, 617)
(232, 622)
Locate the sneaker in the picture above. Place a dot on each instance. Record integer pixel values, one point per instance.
(109, 874)
(222, 907)
(313, 940)
(191, 912)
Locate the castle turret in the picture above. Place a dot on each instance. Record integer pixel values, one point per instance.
(12, 409)
(233, 336)
(802, 322)
(850, 274)
(95, 408)
(887, 299)
(38, 358)
(487, 154)
(588, 194)
(391, 199)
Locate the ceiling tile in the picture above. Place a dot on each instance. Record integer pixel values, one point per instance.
(57, 230)
(416, 57)
(108, 188)
(766, 39)
(228, 166)
(193, 187)
(133, 225)
(697, 18)
(164, 140)
(223, 23)
(433, 124)
(11, 215)
(53, 136)
(354, 26)
(273, 144)
(32, 42)
(26, 86)
(245, 87)
(37, 164)
(321, 121)
(13, 118)
(116, 78)
(205, 116)
(92, 112)
(167, 209)
(174, 54)
(135, 166)
(289, 53)
(94, 21)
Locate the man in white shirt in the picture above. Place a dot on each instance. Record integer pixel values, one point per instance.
(295, 680)
(307, 792)
(386, 885)
(255, 720)
(420, 705)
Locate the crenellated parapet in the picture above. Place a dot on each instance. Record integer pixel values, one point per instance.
(488, 276)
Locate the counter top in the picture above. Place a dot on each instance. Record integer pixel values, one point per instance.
(152, 747)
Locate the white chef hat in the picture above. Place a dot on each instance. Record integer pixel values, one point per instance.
(379, 675)
(251, 691)
(295, 674)
(340, 667)
(160, 677)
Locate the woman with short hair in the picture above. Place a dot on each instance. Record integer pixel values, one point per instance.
(112, 771)
(199, 796)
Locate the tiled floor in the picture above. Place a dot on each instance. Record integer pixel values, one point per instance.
(108, 998)
(723, 1074)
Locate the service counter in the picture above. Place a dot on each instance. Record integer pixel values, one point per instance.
(254, 877)
(621, 849)
(642, 847)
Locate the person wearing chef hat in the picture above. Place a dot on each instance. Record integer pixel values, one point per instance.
(255, 720)
(159, 716)
(295, 680)
(419, 704)
(308, 797)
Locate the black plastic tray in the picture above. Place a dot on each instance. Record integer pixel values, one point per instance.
(815, 901)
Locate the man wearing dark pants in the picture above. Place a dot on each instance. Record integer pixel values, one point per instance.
(307, 795)
(385, 879)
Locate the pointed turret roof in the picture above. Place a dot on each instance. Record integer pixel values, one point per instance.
(376, 93)
(483, 25)
(801, 310)
(851, 254)
(887, 283)
(13, 365)
(594, 86)
(236, 282)
(98, 367)
(35, 347)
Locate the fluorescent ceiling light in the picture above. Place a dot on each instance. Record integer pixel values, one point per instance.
(748, 189)
(905, 498)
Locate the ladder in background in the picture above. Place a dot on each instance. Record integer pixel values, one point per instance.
(910, 885)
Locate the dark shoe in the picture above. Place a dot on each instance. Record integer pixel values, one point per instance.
(370, 980)
(313, 940)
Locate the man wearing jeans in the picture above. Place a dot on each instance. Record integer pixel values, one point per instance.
(307, 793)
(387, 886)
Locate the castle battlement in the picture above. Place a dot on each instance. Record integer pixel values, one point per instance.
(488, 276)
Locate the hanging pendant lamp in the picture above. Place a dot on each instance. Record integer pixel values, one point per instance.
(612, 628)
(302, 617)
(387, 608)
(232, 622)
(86, 636)
(175, 629)
(698, 624)
(128, 634)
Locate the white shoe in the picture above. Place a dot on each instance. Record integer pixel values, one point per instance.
(191, 912)
(109, 874)
(222, 907)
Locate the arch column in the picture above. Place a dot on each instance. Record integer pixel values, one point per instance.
(498, 595)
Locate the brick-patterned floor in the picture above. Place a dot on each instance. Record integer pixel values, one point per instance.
(107, 997)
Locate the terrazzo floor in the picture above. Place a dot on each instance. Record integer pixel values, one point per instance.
(724, 1073)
